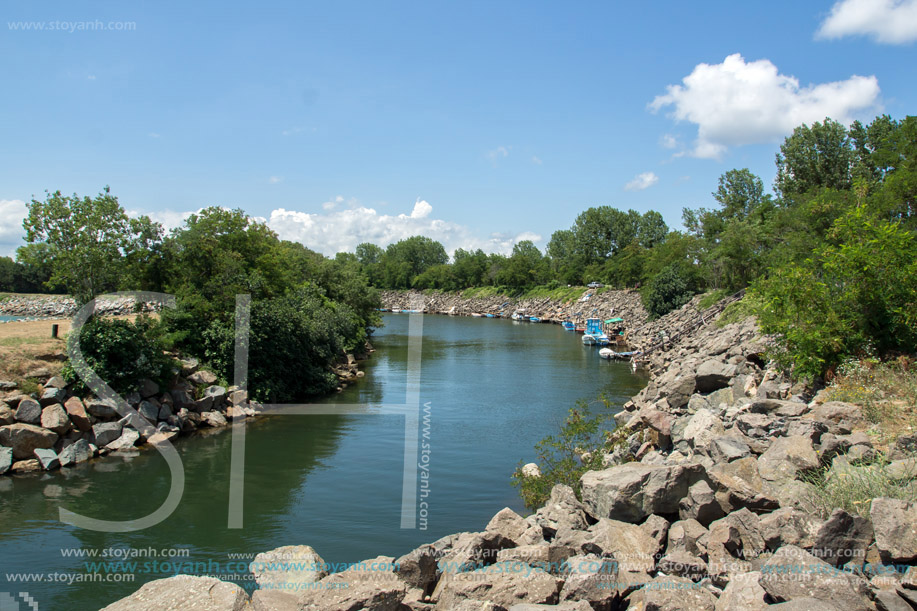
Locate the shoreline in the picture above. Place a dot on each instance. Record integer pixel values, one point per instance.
(704, 506)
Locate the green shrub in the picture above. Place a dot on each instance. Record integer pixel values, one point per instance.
(580, 446)
(121, 352)
(670, 289)
(853, 487)
(294, 341)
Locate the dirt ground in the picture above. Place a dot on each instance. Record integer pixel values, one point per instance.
(26, 346)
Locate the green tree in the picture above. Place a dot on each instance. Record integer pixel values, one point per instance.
(86, 239)
(820, 156)
(526, 267)
(668, 290)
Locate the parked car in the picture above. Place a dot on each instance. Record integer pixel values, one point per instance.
(595, 285)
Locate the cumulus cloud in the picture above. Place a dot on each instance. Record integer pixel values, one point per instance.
(12, 212)
(886, 21)
(642, 181)
(736, 103)
(341, 230)
(668, 141)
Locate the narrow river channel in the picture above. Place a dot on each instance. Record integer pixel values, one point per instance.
(493, 389)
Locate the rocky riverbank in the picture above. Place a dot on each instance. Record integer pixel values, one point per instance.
(590, 304)
(52, 428)
(705, 506)
(62, 306)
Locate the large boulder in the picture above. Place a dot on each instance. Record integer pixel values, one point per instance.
(633, 491)
(514, 527)
(418, 568)
(687, 536)
(700, 504)
(106, 432)
(503, 589)
(29, 411)
(126, 441)
(202, 378)
(786, 457)
(6, 459)
(633, 548)
(77, 413)
(51, 395)
(895, 524)
(369, 585)
(102, 409)
(841, 418)
(588, 579)
(793, 573)
(77, 452)
(24, 439)
(562, 510)
(727, 448)
(739, 484)
(789, 526)
(288, 568)
(843, 538)
(673, 593)
(48, 459)
(54, 417)
(184, 592)
(714, 374)
(703, 427)
(743, 592)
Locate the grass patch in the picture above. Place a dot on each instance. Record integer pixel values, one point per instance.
(739, 310)
(28, 386)
(711, 298)
(853, 487)
(21, 341)
(480, 292)
(565, 294)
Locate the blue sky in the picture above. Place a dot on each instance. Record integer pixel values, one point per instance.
(477, 123)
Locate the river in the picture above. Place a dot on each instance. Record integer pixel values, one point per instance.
(492, 388)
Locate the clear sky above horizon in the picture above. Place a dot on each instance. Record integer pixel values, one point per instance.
(475, 123)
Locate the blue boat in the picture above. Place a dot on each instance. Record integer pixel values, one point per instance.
(534, 319)
(568, 325)
(596, 333)
(488, 316)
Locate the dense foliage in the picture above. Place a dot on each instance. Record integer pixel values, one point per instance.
(120, 352)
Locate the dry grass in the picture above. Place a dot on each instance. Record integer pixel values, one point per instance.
(886, 392)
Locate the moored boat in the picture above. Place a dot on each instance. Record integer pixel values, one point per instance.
(568, 325)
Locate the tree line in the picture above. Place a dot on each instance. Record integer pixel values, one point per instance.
(829, 256)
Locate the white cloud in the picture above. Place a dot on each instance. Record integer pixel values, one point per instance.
(12, 212)
(275, 179)
(91, 77)
(169, 219)
(291, 132)
(887, 21)
(341, 230)
(536, 160)
(737, 103)
(642, 181)
(668, 141)
(501, 152)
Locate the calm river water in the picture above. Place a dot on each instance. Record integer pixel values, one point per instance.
(494, 388)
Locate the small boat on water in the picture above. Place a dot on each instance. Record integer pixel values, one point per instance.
(608, 353)
(595, 331)
(477, 315)
(580, 329)
(519, 315)
(568, 325)
(489, 316)
(588, 339)
(534, 319)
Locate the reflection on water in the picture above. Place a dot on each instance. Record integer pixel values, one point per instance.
(331, 481)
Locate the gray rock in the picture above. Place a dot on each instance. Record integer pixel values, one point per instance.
(673, 593)
(6, 459)
(165, 412)
(189, 366)
(789, 526)
(56, 382)
(633, 491)
(895, 524)
(214, 419)
(512, 526)
(24, 439)
(739, 484)
(743, 592)
(786, 457)
(793, 573)
(149, 411)
(588, 580)
(184, 592)
(7, 415)
(713, 375)
(127, 440)
(217, 393)
(29, 412)
(683, 564)
(51, 395)
(202, 378)
(842, 538)
(841, 418)
(700, 504)
(7, 385)
(48, 459)
(148, 388)
(634, 550)
(501, 589)
(106, 432)
(77, 452)
(734, 543)
(288, 568)
(562, 510)
(418, 568)
(807, 603)
(356, 588)
(888, 600)
(687, 536)
(727, 448)
(761, 425)
(657, 528)
(679, 392)
(54, 417)
(102, 409)
(703, 427)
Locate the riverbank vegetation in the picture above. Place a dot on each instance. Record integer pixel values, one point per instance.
(829, 260)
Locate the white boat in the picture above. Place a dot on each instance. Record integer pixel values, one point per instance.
(588, 339)
(607, 353)
(519, 316)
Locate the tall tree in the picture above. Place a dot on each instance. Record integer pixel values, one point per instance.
(820, 156)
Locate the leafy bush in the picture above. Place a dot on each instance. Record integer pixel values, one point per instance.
(121, 352)
(293, 343)
(670, 289)
(854, 295)
(580, 446)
